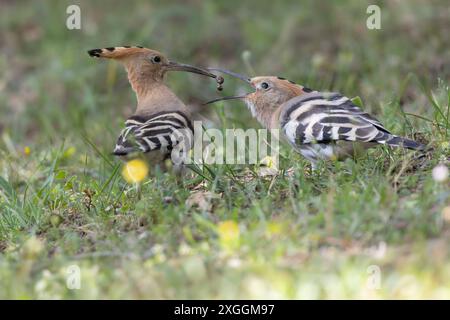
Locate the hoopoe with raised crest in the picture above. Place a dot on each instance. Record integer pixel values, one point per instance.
(161, 120)
(318, 125)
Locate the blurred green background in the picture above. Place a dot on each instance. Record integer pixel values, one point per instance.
(63, 201)
(323, 45)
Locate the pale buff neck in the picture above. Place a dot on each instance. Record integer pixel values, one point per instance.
(141, 82)
(158, 98)
(267, 116)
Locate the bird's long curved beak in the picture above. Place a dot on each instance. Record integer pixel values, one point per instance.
(233, 74)
(175, 66)
(227, 98)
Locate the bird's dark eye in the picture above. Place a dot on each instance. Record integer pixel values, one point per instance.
(264, 85)
(156, 59)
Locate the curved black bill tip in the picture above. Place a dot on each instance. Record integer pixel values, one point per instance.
(95, 52)
(231, 73)
(225, 98)
(176, 66)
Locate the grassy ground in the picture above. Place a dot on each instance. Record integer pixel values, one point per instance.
(232, 233)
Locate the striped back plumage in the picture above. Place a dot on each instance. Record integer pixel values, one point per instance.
(324, 118)
(162, 131)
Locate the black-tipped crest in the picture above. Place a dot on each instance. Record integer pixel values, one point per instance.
(115, 52)
(95, 52)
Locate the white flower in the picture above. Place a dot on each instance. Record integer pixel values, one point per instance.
(440, 173)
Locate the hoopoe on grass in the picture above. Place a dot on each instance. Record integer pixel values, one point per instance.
(318, 125)
(161, 121)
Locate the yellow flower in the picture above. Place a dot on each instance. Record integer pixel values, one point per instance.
(70, 152)
(268, 166)
(445, 145)
(32, 247)
(27, 150)
(228, 234)
(135, 171)
(274, 229)
(269, 162)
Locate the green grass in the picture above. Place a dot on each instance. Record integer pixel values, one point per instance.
(302, 234)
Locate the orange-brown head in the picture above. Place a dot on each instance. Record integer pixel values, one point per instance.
(146, 66)
(269, 94)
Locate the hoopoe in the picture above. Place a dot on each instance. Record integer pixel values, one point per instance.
(318, 125)
(161, 120)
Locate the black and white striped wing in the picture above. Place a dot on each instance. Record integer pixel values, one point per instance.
(162, 131)
(327, 117)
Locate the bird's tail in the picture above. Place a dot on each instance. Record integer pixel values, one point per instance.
(116, 52)
(396, 141)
